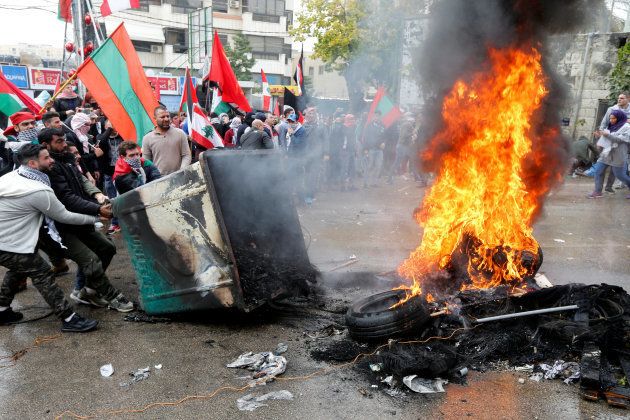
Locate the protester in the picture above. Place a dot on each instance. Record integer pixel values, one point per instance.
(22, 132)
(88, 248)
(72, 149)
(107, 155)
(618, 134)
(403, 147)
(131, 170)
(304, 152)
(373, 150)
(337, 152)
(26, 200)
(349, 157)
(584, 154)
(81, 124)
(283, 127)
(229, 140)
(245, 126)
(622, 105)
(67, 101)
(51, 119)
(166, 146)
(256, 138)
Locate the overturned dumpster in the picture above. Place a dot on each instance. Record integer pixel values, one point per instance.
(222, 233)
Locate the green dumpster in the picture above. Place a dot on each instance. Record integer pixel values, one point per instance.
(222, 233)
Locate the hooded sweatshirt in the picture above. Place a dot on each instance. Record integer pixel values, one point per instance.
(23, 204)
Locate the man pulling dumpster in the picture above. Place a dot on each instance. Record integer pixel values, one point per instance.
(26, 199)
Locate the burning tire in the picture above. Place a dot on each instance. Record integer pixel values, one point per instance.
(372, 319)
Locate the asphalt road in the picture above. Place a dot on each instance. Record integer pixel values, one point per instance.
(373, 225)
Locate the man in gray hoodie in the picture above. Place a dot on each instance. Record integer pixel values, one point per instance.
(26, 200)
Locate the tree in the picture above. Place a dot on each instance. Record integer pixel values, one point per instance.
(619, 80)
(360, 39)
(240, 57)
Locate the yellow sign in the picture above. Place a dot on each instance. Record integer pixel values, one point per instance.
(278, 90)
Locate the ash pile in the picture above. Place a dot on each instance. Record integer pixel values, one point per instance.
(586, 342)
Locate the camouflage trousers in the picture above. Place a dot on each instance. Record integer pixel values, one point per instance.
(35, 267)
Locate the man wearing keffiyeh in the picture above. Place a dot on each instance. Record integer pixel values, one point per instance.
(25, 200)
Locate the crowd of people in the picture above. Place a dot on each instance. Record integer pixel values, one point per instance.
(59, 171)
(609, 154)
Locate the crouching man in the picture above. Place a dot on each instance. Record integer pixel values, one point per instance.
(26, 199)
(131, 170)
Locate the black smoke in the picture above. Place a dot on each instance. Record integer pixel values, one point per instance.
(460, 33)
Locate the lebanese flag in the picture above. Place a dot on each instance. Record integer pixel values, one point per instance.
(201, 130)
(266, 92)
(12, 99)
(222, 74)
(112, 6)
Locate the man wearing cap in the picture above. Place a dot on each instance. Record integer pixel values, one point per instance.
(23, 131)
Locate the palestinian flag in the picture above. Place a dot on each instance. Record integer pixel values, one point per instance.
(12, 99)
(64, 11)
(114, 75)
(390, 113)
(222, 74)
(218, 106)
(201, 130)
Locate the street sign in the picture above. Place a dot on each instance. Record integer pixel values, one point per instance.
(44, 79)
(18, 75)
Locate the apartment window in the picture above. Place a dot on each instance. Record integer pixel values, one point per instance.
(266, 47)
(220, 6)
(267, 10)
(320, 70)
(245, 5)
(177, 38)
(143, 46)
(144, 4)
(184, 6)
(311, 71)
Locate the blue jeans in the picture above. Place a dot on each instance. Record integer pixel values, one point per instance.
(618, 171)
(79, 280)
(110, 190)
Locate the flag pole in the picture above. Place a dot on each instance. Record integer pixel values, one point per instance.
(61, 88)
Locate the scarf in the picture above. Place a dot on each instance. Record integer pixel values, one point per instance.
(235, 123)
(28, 135)
(67, 93)
(79, 120)
(126, 166)
(622, 119)
(39, 176)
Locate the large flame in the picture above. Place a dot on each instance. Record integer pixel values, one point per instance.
(480, 204)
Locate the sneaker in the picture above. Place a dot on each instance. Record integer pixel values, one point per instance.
(609, 190)
(78, 324)
(120, 304)
(8, 316)
(618, 185)
(113, 229)
(86, 298)
(595, 195)
(98, 225)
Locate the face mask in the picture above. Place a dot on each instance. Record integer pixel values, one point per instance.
(134, 162)
(293, 125)
(28, 135)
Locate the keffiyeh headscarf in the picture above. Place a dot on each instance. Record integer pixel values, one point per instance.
(80, 120)
(39, 176)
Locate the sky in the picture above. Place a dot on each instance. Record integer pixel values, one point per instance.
(36, 23)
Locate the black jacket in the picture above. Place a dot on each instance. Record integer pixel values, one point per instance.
(254, 139)
(104, 143)
(130, 181)
(68, 185)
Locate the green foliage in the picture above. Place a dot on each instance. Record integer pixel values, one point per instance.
(619, 79)
(240, 57)
(361, 39)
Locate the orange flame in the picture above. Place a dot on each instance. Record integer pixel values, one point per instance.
(480, 201)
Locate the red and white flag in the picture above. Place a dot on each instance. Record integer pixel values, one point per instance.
(265, 92)
(201, 130)
(112, 6)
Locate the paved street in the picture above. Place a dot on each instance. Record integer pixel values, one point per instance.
(583, 240)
